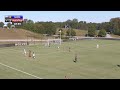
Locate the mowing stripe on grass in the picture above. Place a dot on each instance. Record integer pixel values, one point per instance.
(36, 54)
(72, 51)
(86, 48)
(21, 71)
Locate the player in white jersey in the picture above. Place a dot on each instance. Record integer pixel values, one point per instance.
(25, 52)
(33, 55)
(97, 45)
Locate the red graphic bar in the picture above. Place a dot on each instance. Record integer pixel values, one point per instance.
(17, 20)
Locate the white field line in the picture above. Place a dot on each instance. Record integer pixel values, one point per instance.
(21, 71)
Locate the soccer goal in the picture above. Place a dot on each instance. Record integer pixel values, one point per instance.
(53, 42)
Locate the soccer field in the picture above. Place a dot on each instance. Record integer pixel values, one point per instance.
(54, 63)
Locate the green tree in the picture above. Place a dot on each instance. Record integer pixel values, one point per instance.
(28, 25)
(115, 23)
(62, 33)
(82, 25)
(29, 21)
(117, 31)
(70, 32)
(49, 28)
(39, 28)
(1, 24)
(74, 23)
(102, 33)
(75, 20)
(73, 33)
(91, 30)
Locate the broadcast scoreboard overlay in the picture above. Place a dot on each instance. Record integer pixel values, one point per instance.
(15, 19)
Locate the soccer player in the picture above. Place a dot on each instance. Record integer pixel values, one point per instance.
(75, 60)
(49, 44)
(24, 52)
(29, 53)
(97, 46)
(66, 77)
(33, 55)
(58, 48)
(69, 49)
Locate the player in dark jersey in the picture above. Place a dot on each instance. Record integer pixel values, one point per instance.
(29, 53)
(69, 49)
(75, 60)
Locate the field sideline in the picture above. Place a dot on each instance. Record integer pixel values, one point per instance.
(54, 63)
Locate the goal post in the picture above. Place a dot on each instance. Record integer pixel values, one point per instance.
(53, 42)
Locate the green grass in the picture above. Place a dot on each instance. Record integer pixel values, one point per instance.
(51, 63)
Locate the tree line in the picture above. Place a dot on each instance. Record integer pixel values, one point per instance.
(113, 26)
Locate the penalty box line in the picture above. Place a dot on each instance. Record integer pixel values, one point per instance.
(21, 71)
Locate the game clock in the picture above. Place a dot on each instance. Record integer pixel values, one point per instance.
(17, 23)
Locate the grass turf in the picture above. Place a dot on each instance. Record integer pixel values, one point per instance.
(54, 63)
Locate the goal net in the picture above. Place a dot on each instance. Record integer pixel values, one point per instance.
(53, 42)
